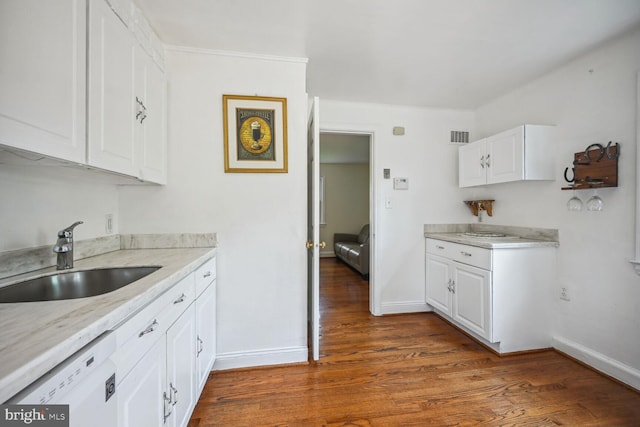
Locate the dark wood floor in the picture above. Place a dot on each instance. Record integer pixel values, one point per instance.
(409, 370)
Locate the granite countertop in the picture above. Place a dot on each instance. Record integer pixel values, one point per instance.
(516, 237)
(37, 336)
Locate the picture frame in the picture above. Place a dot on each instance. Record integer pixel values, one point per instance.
(255, 134)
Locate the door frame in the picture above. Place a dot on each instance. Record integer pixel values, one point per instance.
(344, 129)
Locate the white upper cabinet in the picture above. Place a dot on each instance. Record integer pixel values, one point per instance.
(150, 124)
(111, 116)
(472, 168)
(80, 81)
(523, 153)
(126, 100)
(42, 77)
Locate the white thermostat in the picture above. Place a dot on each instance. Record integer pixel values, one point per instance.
(400, 183)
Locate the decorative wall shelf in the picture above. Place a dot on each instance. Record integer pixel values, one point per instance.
(480, 205)
(594, 168)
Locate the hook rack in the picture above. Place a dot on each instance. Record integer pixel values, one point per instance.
(595, 167)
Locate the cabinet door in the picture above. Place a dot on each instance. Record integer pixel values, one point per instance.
(151, 126)
(111, 117)
(206, 334)
(471, 164)
(181, 360)
(43, 77)
(472, 304)
(140, 395)
(505, 156)
(438, 276)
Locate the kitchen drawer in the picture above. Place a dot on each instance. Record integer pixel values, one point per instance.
(138, 334)
(205, 274)
(471, 255)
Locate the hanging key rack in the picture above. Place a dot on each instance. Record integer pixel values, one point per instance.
(595, 167)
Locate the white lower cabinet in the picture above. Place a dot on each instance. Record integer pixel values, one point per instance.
(462, 292)
(181, 378)
(165, 353)
(500, 296)
(206, 334)
(471, 288)
(139, 402)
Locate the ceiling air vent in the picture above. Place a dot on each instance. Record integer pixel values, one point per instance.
(459, 137)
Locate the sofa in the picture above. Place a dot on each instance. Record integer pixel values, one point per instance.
(353, 249)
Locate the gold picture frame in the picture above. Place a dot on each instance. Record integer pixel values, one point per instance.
(255, 134)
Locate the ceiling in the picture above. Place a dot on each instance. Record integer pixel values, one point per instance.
(434, 53)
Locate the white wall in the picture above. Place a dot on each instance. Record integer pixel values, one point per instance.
(38, 201)
(260, 218)
(591, 100)
(346, 188)
(425, 156)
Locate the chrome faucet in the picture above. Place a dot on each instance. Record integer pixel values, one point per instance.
(64, 247)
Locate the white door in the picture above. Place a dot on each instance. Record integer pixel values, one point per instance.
(42, 77)
(505, 156)
(181, 367)
(140, 395)
(111, 115)
(150, 125)
(472, 298)
(313, 224)
(206, 334)
(472, 164)
(438, 290)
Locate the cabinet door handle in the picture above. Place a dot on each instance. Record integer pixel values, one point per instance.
(181, 299)
(174, 391)
(465, 253)
(207, 274)
(453, 286)
(439, 247)
(200, 346)
(167, 403)
(482, 162)
(149, 329)
(488, 162)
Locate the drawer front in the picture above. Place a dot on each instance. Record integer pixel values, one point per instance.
(440, 248)
(138, 334)
(471, 255)
(180, 296)
(205, 274)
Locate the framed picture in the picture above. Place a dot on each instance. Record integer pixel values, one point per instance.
(255, 134)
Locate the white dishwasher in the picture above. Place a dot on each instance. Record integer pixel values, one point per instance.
(86, 381)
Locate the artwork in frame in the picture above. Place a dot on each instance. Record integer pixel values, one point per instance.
(255, 134)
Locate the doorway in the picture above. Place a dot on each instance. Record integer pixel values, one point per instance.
(346, 190)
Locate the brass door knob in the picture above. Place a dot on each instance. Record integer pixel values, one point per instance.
(321, 245)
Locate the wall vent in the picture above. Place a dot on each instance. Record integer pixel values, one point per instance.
(459, 137)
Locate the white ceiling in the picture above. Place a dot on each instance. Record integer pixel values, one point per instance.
(435, 53)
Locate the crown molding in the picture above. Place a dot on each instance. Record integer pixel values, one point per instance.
(234, 54)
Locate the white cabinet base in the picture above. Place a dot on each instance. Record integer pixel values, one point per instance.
(506, 308)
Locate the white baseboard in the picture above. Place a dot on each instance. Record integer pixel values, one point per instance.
(403, 307)
(248, 359)
(599, 361)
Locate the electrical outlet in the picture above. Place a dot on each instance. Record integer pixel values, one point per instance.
(108, 224)
(564, 293)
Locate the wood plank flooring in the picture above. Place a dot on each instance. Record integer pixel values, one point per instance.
(409, 370)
